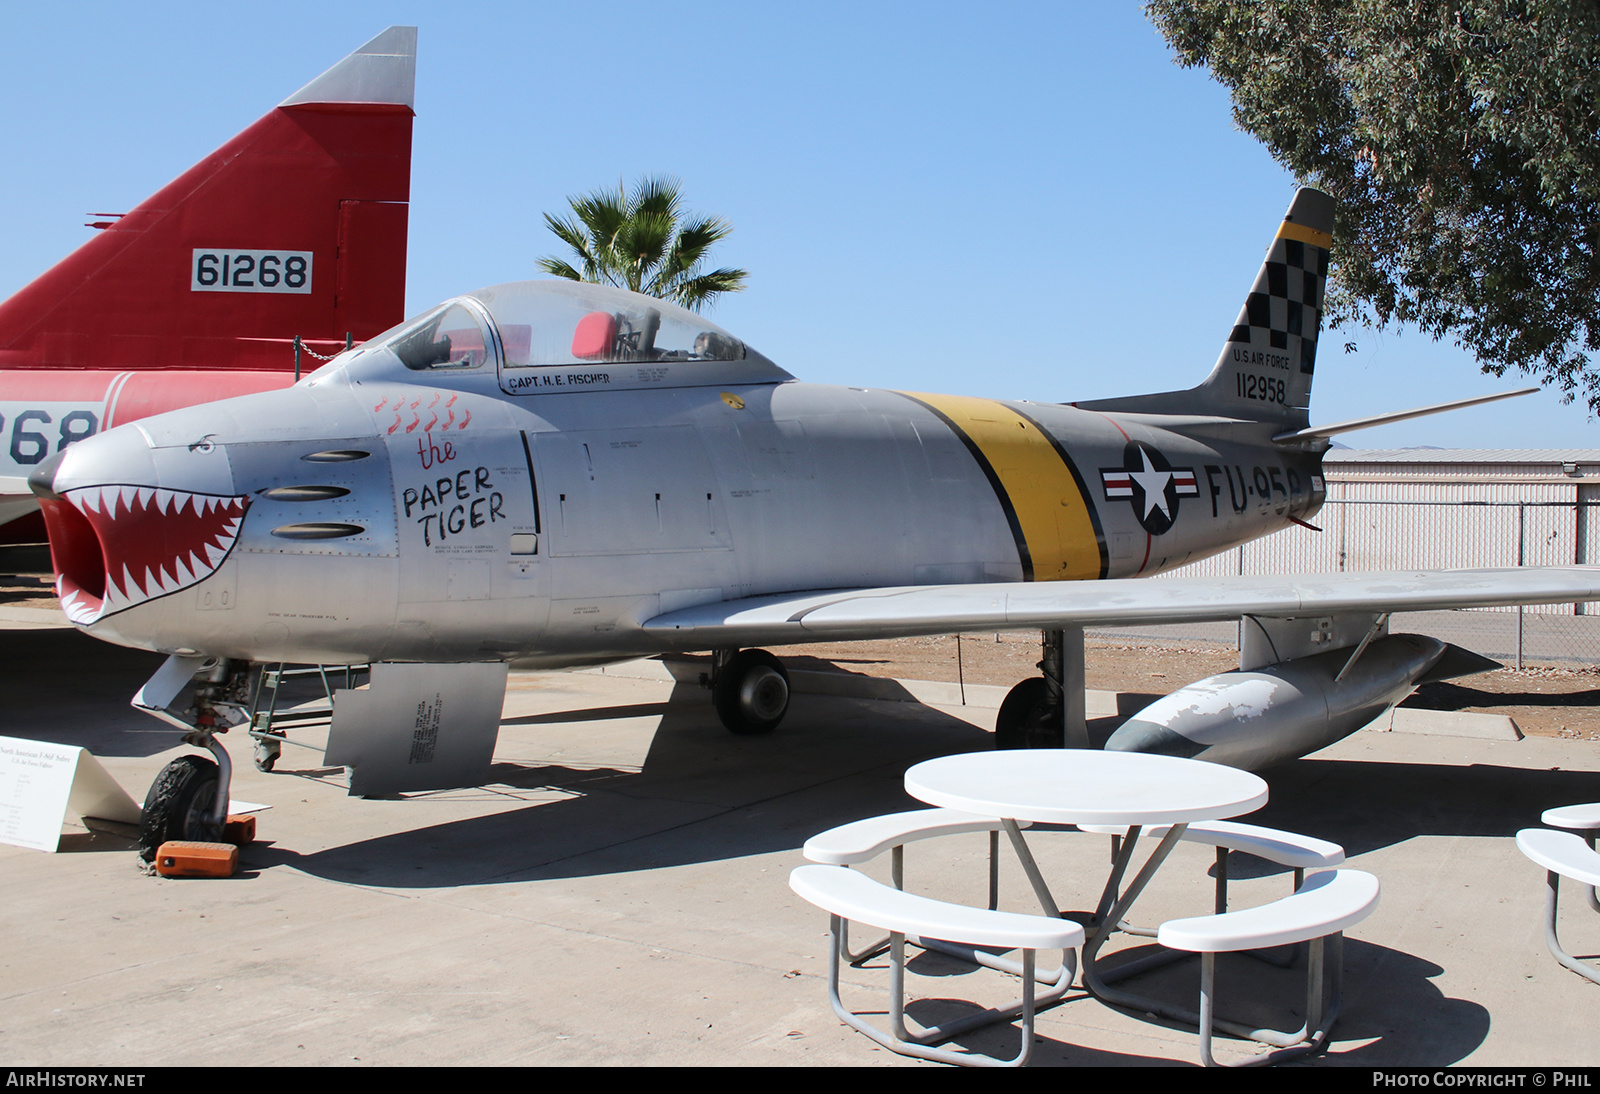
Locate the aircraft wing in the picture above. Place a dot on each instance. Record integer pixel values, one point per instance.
(844, 614)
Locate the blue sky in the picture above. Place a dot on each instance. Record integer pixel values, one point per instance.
(1027, 200)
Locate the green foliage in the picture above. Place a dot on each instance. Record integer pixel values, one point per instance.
(1462, 142)
(643, 241)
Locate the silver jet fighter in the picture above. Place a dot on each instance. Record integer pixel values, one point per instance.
(569, 474)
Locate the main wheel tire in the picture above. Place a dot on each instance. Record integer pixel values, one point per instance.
(751, 693)
(1028, 719)
(179, 805)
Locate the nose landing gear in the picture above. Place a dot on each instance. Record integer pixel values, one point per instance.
(180, 806)
(189, 798)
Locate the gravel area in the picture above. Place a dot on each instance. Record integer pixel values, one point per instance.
(1545, 701)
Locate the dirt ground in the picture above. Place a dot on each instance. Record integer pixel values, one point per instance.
(1544, 700)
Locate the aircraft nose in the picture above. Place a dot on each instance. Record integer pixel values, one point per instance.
(125, 530)
(41, 478)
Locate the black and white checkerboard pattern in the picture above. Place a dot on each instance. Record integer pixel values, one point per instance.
(1284, 310)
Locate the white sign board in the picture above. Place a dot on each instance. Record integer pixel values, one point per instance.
(39, 782)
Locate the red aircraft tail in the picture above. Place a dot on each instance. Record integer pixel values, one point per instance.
(296, 227)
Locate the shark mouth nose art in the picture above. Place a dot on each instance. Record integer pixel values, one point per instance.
(116, 547)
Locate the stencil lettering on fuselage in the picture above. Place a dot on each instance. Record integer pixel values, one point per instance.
(1056, 528)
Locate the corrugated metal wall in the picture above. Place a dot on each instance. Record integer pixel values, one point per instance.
(1436, 509)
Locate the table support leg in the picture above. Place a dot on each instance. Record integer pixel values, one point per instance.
(1031, 869)
(1551, 902)
(1122, 854)
(1120, 903)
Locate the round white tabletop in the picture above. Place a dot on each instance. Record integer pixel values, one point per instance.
(1084, 786)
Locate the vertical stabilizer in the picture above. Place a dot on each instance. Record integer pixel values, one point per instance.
(1265, 370)
(382, 71)
(296, 227)
(1266, 366)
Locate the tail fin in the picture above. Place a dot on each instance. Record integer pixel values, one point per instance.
(1265, 370)
(297, 226)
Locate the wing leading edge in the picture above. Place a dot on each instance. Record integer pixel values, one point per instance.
(845, 614)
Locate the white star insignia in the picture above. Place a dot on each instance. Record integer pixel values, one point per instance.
(1154, 484)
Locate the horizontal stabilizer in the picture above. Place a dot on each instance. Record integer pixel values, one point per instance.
(1321, 431)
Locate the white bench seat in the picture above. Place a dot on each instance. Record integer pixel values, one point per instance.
(1326, 904)
(1563, 854)
(1284, 848)
(1298, 852)
(850, 895)
(1575, 817)
(864, 840)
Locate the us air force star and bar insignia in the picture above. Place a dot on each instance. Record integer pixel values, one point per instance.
(1151, 484)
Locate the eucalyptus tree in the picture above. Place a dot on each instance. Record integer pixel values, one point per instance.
(1462, 141)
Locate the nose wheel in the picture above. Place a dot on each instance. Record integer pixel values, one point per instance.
(181, 805)
(751, 692)
(189, 799)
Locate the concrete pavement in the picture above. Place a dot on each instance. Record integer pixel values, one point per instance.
(618, 894)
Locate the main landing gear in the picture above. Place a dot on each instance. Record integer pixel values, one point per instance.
(1048, 711)
(1030, 717)
(750, 689)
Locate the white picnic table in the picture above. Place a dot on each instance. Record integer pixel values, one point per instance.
(1075, 786)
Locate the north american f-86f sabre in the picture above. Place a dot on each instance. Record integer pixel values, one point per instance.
(570, 474)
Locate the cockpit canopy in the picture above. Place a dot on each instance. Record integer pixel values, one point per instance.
(571, 323)
(536, 332)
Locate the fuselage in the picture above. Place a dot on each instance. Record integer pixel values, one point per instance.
(42, 411)
(480, 511)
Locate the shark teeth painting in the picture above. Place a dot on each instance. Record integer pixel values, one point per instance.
(151, 542)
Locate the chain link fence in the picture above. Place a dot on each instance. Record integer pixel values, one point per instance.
(1391, 534)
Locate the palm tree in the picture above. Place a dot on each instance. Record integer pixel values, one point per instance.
(636, 241)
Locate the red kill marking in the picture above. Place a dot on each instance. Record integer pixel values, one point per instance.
(416, 420)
